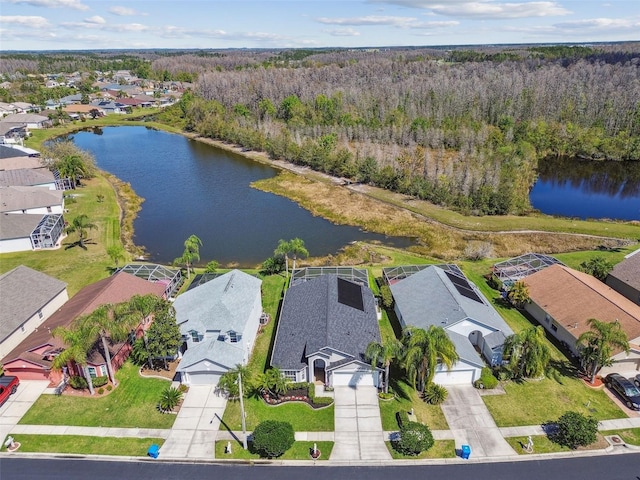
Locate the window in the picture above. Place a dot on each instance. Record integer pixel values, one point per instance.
(92, 372)
(290, 374)
(194, 336)
(547, 318)
(234, 337)
(554, 327)
(48, 209)
(40, 314)
(103, 370)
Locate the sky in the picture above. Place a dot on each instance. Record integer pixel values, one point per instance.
(217, 24)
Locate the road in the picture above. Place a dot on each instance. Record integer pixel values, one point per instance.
(610, 467)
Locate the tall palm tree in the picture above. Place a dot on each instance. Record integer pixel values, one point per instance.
(229, 381)
(191, 253)
(116, 252)
(274, 381)
(519, 294)
(385, 353)
(283, 250)
(297, 248)
(599, 344)
(77, 346)
(81, 224)
(424, 349)
(527, 352)
(71, 166)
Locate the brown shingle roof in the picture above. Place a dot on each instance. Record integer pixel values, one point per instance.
(628, 270)
(572, 298)
(114, 289)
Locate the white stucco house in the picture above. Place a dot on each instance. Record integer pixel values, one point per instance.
(31, 201)
(219, 321)
(441, 295)
(324, 328)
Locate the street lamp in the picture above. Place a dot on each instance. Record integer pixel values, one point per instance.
(244, 427)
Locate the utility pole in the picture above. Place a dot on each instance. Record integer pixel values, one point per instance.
(244, 427)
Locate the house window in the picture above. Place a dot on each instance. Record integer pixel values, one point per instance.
(290, 374)
(92, 372)
(103, 370)
(194, 336)
(547, 318)
(234, 337)
(48, 209)
(40, 314)
(554, 327)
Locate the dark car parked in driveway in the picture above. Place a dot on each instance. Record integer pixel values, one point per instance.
(636, 380)
(625, 389)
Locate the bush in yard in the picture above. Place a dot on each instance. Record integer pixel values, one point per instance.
(575, 430)
(100, 381)
(169, 399)
(272, 438)
(100, 391)
(487, 380)
(78, 383)
(414, 438)
(435, 394)
(387, 296)
(109, 388)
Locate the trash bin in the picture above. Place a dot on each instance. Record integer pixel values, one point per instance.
(154, 451)
(466, 451)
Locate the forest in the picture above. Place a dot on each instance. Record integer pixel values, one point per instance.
(460, 127)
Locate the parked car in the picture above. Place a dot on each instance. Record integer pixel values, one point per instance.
(636, 380)
(8, 386)
(625, 389)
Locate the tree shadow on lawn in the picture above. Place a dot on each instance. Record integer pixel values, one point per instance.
(558, 369)
(78, 244)
(395, 383)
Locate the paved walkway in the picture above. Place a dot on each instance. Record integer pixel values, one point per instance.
(193, 434)
(472, 424)
(358, 429)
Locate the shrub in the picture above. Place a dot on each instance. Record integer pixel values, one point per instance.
(575, 430)
(78, 383)
(272, 438)
(183, 388)
(100, 391)
(109, 388)
(402, 417)
(386, 396)
(487, 380)
(99, 381)
(435, 394)
(414, 438)
(169, 399)
(387, 296)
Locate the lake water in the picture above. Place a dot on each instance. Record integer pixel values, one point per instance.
(193, 188)
(587, 189)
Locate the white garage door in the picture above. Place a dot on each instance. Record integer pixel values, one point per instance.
(204, 378)
(353, 378)
(455, 377)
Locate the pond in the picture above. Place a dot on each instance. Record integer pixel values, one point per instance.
(193, 188)
(587, 189)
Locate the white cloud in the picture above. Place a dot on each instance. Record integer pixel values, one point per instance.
(599, 24)
(74, 4)
(121, 27)
(485, 9)
(25, 21)
(583, 28)
(97, 19)
(124, 11)
(343, 32)
(402, 22)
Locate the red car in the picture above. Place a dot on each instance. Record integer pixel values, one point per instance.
(8, 386)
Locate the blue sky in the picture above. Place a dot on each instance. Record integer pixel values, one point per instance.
(88, 24)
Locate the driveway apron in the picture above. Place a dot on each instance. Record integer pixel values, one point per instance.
(358, 428)
(472, 424)
(193, 434)
(18, 404)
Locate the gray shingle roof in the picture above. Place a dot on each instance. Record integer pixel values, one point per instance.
(24, 118)
(14, 226)
(222, 353)
(26, 177)
(628, 270)
(24, 198)
(24, 291)
(313, 319)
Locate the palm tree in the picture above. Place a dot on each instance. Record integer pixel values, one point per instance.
(116, 252)
(283, 250)
(81, 224)
(599, 343)
(274, 382)
(424, 350)
(169, 398)
(77, 346)
(519, 294)
(71, 166)
(297, 248)
(385, 353)
(527, 352)
(191, 253)
(229, 381)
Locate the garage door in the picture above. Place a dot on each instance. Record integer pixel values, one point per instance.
(203, 378)
(353, 378)
(455, 377)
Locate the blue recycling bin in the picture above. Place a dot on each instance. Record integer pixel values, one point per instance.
(154, 451)
(465, 452)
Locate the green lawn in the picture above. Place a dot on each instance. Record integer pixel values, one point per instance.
(301, 416)
(299, 451)
(440, 449)
(630, 435)
(535, 402)
(130, 447)
(131, 404)
(406, 398)
(542, 444)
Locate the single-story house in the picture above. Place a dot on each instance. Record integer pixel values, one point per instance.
(107, 106)
(84, 110)
(12, 150)
(15, 163)
(22, 233)
(219, 321)
(28, 177)
(28, 298)
(440, 295)
(625, 277)
(30, 120)
(325, 326)
(32, 358)
(563, 300)
(30, 200)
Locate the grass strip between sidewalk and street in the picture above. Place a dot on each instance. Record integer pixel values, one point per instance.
(85, 445)
(299, 451)
(440, 449)
(542, 444)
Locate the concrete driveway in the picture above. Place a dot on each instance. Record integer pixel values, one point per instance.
(18, 404)
(472, 424)
(358, 428)
(193, 434)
